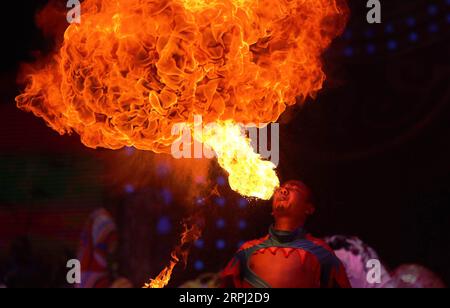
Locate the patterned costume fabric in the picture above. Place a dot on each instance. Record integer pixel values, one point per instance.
(98, 242)
(414, 276)
(355, 255)
(285, 260)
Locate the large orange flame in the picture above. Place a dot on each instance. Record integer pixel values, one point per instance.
(134, 68)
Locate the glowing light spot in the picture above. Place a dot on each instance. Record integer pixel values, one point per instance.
(220, 223)
(199, 265)
(413, 37)
(166, 196)
(164, 226)
(242, 224)
(221, 180)
(220, 201)
(220, 244)
(433, 28)
(411, 21)
(129, 189)
(389, 29)
(392, 45)
(433, 10)
(200, 243)
(349, 52)
(242, 203)
(371, 49)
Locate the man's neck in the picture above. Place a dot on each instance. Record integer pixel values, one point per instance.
(287, 224)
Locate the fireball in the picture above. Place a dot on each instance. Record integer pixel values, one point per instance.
(132, 69)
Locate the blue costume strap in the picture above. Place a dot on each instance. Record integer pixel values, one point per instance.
(327, 260)
(246, 273)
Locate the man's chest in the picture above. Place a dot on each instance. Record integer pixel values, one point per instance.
(286, 267)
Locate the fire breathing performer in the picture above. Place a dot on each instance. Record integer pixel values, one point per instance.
(288, 257)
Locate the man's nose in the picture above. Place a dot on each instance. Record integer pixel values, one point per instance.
(283, 191)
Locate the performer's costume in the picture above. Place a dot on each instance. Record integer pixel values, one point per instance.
(285, 260)
(355, 255)
(98, 240)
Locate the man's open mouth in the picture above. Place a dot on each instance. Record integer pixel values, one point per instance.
(283, 198)
(281, 204)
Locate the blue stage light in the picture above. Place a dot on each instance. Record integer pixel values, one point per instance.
(411, 21)
(166, 196)
(220, 201)
(348, 52)
(220, 244)
(129, 189)
(199, 265)
(164, 226)
(432, 9)
(348, 34)
(242, 203)
(392, 45)
(220, 223)
(371, 49)
(242, 224)
(389, 28)
(413, 37)
(162, 169)
(200, 243)
(221, 181)
(433, 28)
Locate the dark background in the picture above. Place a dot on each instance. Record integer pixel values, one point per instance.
(374, 146)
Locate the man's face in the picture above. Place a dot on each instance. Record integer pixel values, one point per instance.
(292, 199)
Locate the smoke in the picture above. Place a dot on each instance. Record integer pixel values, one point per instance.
(186, 178)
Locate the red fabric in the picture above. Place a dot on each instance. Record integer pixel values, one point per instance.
(284, 268)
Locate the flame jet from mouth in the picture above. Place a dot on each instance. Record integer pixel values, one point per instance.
(249, 174)
(135, 68)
